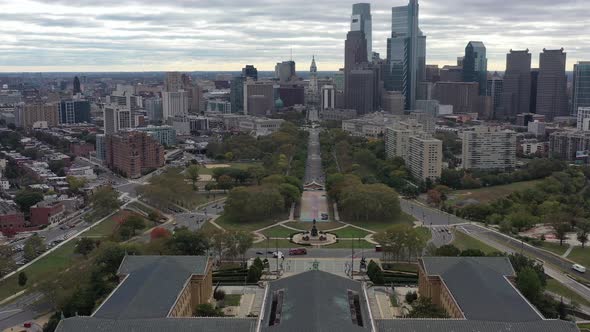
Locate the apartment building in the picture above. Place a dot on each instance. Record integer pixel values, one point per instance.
(489, 148)
(133, 153)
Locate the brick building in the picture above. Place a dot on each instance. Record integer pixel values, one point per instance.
(81, 149)
(11, 220)
(40, 115)
(47, 213)
(133, 153)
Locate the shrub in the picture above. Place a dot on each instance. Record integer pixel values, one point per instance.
(411, 297)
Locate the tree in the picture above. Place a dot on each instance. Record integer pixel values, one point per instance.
(104, 201)
(75, 184)
(208, 310)
(424, 308)
(561, 228)
(7, 263)
(521, 262)
(254, 203)
(133, 223)
(22, 279)
(448, 250)
(159, 233)
(224, 182)
(85, 246)
(34, 246)
(192, 173)
(583, 230)
(185, 242)
(434, 197)
(57, 167)
(154, 216)
(473, 253)
(27, 198)
(527, 281)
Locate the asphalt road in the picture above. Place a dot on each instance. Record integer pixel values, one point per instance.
(430, 216)
(313, 169)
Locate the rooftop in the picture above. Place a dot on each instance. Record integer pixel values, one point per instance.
(454, 325)
(151, 286)
(481, 289)
(76, 324)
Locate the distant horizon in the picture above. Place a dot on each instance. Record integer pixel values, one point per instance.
(199, 35)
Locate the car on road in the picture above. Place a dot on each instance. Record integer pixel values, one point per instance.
(259, 253)
(278, 254)
(298, 251)
(579, 268)
(324, 216)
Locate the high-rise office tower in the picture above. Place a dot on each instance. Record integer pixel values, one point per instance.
(516, 85)
(581, 86)
(494, 89)
(355, 51)
(552, 84)
(406, 52)
(77, 86)
(250, 71)
(534, 84)
(173, 81)
(285, 71)
(475, 65)
(236, 95)
(361, 21)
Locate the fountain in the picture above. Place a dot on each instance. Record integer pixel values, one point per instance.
(314, 237)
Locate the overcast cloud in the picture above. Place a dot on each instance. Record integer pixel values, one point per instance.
(146, 35)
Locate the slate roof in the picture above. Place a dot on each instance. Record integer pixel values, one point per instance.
(152, 285)
(452, 325)
(91, 324)
(316, 301)
(480, 287)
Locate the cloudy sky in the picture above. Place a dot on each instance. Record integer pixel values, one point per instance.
(154, 35)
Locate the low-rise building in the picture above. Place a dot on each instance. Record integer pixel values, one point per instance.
(165, 135)
(569, 145)
(47, 213)
(11, 219)
(257, 126)
(337, 114)
(85, 172)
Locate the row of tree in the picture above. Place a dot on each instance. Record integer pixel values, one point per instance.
(402, 241)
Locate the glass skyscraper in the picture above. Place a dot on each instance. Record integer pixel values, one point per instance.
(406, 52)
(475, 65)
(581, 92)
(361, 21)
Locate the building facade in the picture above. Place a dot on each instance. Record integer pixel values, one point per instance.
(552, 97)
(489, 148)
(165, 135)
(463, 96)
(133, 153)
(74, 111)
(475, 65)
(40, 115)
(361, 20)
(581, 86)
(516, 85)
(116, 118)
(174, 103)
(569, 145)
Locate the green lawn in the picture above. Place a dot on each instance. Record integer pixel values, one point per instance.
(350, 232)
(555, 287)
(580, 256)
(232, 300)
(200, 199)
(141, 207)
(347, 244)
(250, 226)
(208, 227)
(104, 229)
(46, 268)
(378, 226)
(488, 194)
(209, 171)
(464, 241)
(278, 231)
(554, 247)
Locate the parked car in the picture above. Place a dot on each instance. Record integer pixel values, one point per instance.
(324, 216)
(579, 268)
(298, 251)
(378, 248)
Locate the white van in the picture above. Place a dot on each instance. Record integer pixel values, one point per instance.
(579, 268)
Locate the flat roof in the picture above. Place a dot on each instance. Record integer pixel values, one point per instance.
(201, 324)
(455, 325)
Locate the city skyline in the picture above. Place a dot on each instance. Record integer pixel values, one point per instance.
(44, 35)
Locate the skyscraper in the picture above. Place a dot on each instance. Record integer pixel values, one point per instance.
(236, 95)
(475, 65)
(406, 52)
(552, 84)
(358, 79)
(312, 96)
(173, 81)
(77, 86)
(361, 21)
(494, 89)
(581, 91)
(74, 111)
(355, 51)
(285, 71)
(250, 71)
(516, 85)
